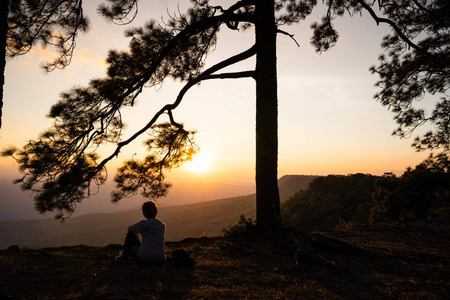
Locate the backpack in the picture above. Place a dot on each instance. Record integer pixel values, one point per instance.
(181, 258)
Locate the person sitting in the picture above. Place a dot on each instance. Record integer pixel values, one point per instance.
(151, 251)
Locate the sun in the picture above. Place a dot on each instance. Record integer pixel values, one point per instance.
(201, 163)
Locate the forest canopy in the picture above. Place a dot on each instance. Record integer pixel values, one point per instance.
(421, 193)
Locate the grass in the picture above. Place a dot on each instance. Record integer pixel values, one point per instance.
(382, 262)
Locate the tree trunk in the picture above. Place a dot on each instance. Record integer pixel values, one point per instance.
(267, 196)
(3, 32)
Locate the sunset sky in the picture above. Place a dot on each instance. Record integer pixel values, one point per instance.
(329, 122)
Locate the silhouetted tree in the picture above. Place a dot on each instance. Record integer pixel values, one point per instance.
(62, 164)
(26, 23)
(415, 193)
(417, 63)
(3, 29)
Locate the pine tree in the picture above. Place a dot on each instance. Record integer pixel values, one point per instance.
(62, 166)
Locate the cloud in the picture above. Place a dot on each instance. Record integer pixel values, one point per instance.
(81, 57)
(87, 57)
(42, 53)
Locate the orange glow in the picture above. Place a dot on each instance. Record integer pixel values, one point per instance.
(201, 163)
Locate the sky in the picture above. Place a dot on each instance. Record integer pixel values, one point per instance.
(329, 122)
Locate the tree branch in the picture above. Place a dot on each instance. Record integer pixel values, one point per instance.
(188, 31)
(169, 107)
(420, 6)
(135, 87)
(393, 25)
(240, 4)
(289, 35)
(232, 75)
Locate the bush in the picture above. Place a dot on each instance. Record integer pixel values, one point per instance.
(440, 214)
(245, 226)
(343, 226)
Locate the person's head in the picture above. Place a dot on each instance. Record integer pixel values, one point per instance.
(150, 209)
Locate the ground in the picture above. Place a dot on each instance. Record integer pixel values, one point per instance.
(409, 261)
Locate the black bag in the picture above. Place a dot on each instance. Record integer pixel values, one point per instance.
(181, 258)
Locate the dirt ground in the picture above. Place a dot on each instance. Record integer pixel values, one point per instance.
(390, 261)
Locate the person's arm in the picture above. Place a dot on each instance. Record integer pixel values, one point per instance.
(135, 227)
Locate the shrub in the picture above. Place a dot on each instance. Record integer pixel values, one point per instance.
(440, 214)
(343, 226)
(245, 226)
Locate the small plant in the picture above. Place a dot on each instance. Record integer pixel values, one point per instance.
(343, 226)
(244, 226)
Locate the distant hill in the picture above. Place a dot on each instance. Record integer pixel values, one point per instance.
(16, 205)
(291, 184)
(192, 220)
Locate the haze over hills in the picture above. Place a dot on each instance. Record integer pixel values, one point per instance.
(189, 220)
(16, 205)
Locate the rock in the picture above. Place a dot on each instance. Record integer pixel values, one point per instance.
(13, 248)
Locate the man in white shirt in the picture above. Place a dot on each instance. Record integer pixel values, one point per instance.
(151, 251)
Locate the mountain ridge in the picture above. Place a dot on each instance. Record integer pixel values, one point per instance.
(206, 218)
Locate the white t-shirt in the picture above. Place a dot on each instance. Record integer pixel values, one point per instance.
(152, 232)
